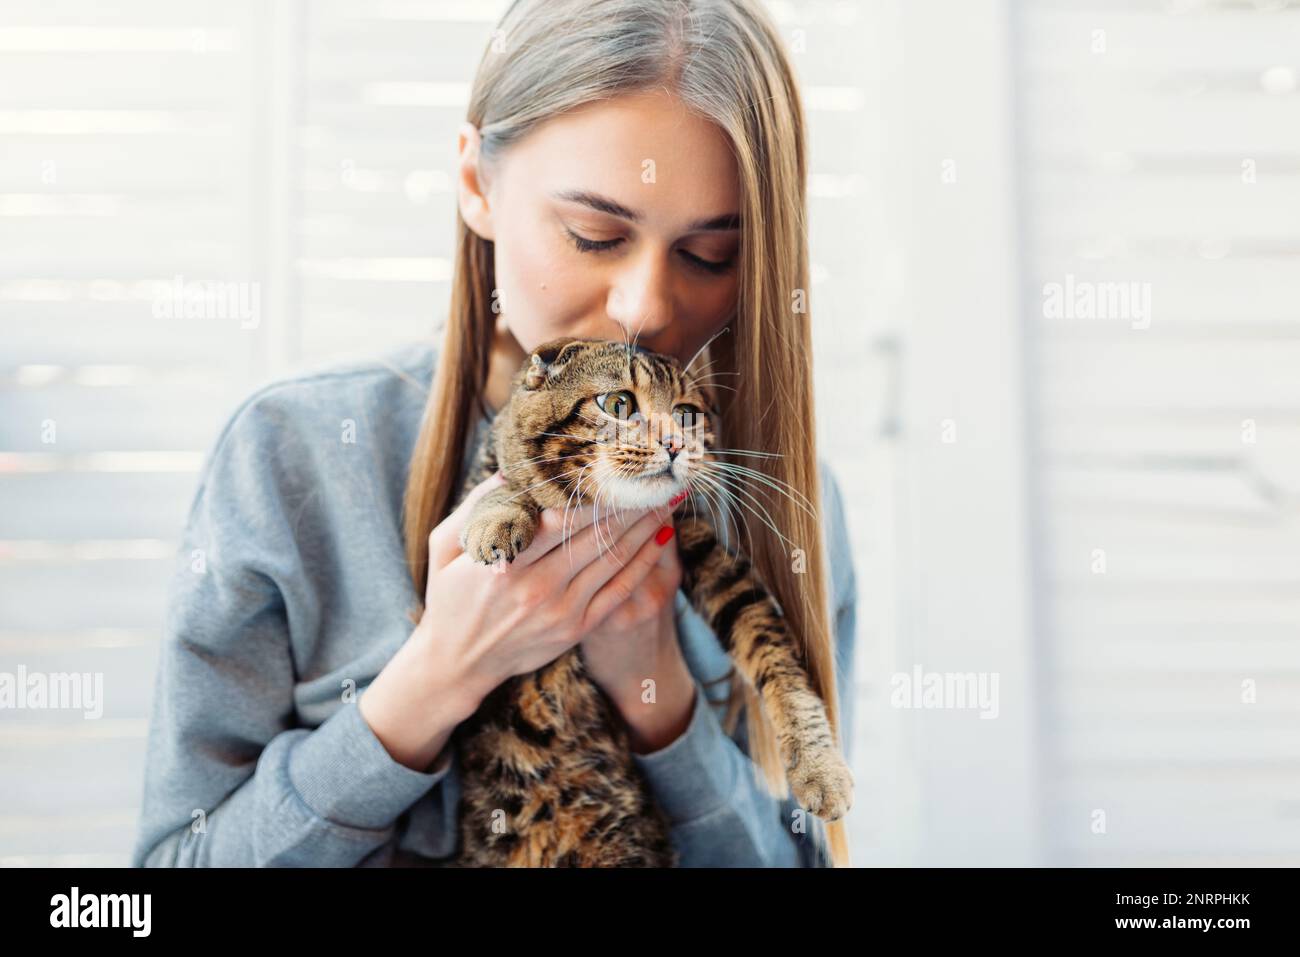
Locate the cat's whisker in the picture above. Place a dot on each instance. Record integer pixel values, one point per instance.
(539, 461)
(627, 344)
(588, 476)
(704, 371)
(719, 514)
(707, 380)
(609, 531)
(766, 455)
(695, 499)
(782, 488)
(620, 471)
(561, 435)
(723, 500)
(753, 503)
(595, 512)
(564, 524)
(520, 464)
(705, 368)
(706, 384)
(743, 509)
(591, 419)
(730, 512)
(639, 326)
(541, 483)
(597, 518)
(719, 385)
(721, 470)
(705, 346)
(757, 506)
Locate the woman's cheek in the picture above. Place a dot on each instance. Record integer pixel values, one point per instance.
(711, 312)
(560, 294)
(528, 284)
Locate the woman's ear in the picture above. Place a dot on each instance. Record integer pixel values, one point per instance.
(471, 186)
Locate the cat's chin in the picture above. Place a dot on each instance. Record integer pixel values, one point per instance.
(648, 491)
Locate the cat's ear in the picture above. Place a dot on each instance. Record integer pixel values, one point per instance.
(548, 359)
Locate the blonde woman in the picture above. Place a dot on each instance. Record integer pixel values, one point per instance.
(630, 170)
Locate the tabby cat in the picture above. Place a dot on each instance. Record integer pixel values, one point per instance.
(547, 776)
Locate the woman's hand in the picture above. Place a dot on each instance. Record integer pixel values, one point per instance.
(635, 656)
(481, 626)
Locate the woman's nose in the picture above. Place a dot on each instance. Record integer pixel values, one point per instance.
(641, 300)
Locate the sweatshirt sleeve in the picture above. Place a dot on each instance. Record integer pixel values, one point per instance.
(721, 814)
(232, 779)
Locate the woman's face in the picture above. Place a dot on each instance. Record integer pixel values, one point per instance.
(618, 220)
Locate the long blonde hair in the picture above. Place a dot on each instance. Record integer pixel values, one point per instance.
(725, 60)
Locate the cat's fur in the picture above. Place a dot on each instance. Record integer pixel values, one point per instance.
(547, 775)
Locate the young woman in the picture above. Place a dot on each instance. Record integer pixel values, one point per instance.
(630, 170)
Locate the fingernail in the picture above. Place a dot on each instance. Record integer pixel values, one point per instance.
(662, 536)
(677, 499)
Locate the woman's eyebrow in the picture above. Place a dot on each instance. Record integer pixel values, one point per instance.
(602, 204)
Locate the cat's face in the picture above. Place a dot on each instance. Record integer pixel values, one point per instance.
(597, 422)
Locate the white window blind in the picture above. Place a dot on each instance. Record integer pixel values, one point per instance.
(1161, 147)
(303, 153)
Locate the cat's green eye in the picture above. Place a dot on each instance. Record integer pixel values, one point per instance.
(687, 416)
(620, 404)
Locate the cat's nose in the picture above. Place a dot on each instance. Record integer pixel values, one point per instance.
(673, 444)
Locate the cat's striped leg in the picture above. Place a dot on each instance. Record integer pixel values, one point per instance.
(751, 627)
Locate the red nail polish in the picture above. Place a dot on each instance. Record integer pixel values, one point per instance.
(677, 499)
(665, 533)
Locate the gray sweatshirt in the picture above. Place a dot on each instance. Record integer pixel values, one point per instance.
(291, 592)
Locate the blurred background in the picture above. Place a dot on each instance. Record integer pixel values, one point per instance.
(1056, 296)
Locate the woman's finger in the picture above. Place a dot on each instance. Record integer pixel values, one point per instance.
(623, 583)
(583, 542)
(556, 526)
(570, 553)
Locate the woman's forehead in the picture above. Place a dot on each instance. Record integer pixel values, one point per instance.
(644, 153)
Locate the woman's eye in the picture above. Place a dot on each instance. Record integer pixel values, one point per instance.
(591, 245)
(585, 245)
(687, 416)
(708, 264)
(621, 404)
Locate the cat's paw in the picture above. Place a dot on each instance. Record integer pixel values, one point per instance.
(821, 782)
(497, 534)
